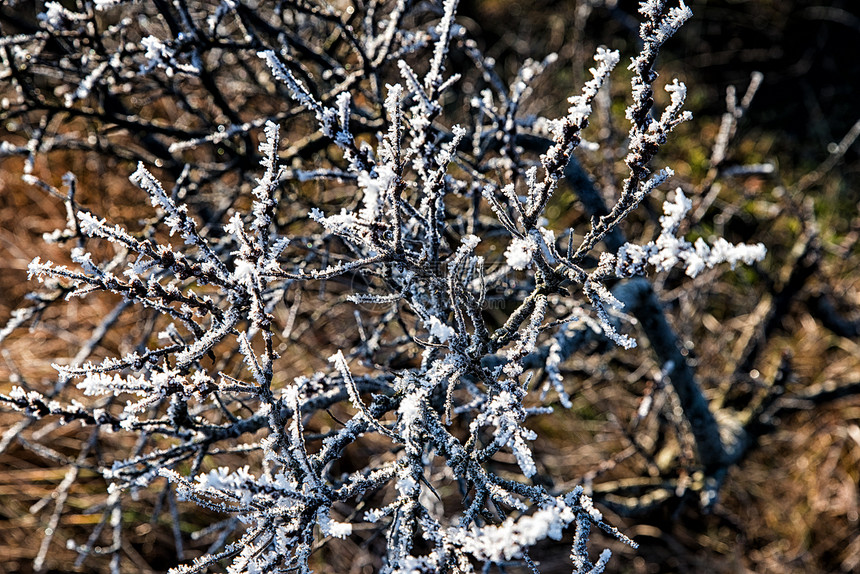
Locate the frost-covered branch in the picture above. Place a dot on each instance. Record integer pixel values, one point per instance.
(362, 267)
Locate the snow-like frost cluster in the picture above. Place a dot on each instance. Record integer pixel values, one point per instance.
(669, 251)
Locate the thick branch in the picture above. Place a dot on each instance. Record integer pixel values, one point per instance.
(640, 300)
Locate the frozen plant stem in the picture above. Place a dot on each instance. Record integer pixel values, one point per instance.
(639, 298)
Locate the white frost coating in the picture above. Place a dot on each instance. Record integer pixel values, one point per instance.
(505, 412)
(507, 540)
(244, 272)
(214, 479)
(588, 506)
(331, 527)
(374, 187)
(53, 15)
(106, 4)
(470, 241)
(440, 330)
(406, 485)
(520, 252)
(327, 117)
(156, 51)
(677, 92)
(410, 409)
(674, 211)
(669, 251)
(580, 105)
